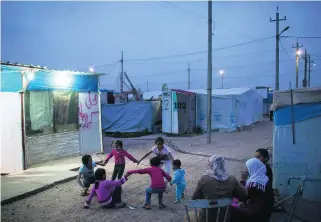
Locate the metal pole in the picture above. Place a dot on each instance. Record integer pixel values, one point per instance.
(297, 46)
(209, 74)
(309, 71)
(305, 68)
(277, 53)
(222, 81)
(189, 77)
(122, 73)
(277, 40)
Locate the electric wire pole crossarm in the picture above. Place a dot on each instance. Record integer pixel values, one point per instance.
(277, 40)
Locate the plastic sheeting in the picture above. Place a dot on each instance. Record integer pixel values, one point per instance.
(306, 95)
(299, 159)
(230, 110)
(127, 117)
(283, 116)
(41, 109)
(11, 79)
(47, 81)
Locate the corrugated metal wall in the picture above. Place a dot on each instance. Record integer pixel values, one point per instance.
(52, 146)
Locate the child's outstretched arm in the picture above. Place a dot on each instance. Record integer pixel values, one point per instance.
(168, 177)
(79, 181)
(130, 157)
(90, 197)
(141, 171)
(146, 155)
(175, 178)
(108, 157)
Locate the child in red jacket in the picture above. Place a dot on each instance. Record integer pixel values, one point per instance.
(119, 154)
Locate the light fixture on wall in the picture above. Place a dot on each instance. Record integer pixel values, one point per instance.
(63, 79)
(30, 75)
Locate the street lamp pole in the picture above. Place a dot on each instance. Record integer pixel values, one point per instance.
(222, 76)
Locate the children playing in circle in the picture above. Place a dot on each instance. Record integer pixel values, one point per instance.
(108, 192)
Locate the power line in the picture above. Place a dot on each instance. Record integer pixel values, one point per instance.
(285, 50)
(201, 52)
(259, 4)
(203, 69)
(183, 10)
(203, 60)
(105, 65)
(302, 37)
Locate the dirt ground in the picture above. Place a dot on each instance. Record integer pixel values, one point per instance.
(64, 203)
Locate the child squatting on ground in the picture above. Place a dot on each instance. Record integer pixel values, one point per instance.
(179, 180)
(119, 155)
(86, 174)
(108, 192)
(157, 178)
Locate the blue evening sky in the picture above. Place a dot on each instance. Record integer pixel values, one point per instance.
(75, 35)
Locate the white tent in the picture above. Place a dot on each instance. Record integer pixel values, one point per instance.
(231, 108)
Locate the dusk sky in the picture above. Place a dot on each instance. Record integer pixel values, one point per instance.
(75, 35)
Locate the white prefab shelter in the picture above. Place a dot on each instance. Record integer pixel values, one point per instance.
(231, 108)
(296, 141)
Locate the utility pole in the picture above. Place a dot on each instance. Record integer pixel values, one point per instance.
(305, 68)
(189, 77)
(147, 85)
(122, 73)
(309, 70)
(297, 53)
(209, 74)
(277, 40)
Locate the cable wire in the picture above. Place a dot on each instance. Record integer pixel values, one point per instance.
(201, 52)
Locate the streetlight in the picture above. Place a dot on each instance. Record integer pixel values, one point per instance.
(222, 75)
(299, 52)
(91, 69)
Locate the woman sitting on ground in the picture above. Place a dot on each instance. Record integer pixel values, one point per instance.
(216, 184)
(259, 205)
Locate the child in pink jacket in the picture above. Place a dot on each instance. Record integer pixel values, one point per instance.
(119, 154)
(157, 178)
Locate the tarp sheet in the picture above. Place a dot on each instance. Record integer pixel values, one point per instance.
(300, 96)
(46, 81)
(11, 79)
(128, 117)
(283, 116)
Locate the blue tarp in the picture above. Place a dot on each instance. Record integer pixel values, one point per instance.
(11, 80)
(46, 81)
(127, 117)
(283, 116)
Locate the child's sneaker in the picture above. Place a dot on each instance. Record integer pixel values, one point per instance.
(162, 206)
(177, 202)
(183, 196)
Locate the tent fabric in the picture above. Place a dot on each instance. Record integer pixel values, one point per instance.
(283, 116)
(11, 78)
(46, 81)
(127, 117)
(230, 110)
(299, 158)
(41, 109)
(10, 81)
(306, 95)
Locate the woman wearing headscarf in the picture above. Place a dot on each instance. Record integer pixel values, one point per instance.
(260, 199)
(216, 184)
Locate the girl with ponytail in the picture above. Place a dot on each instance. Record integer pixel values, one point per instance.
(108, 192)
